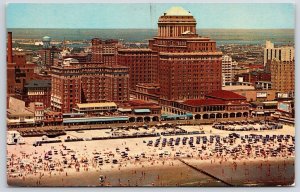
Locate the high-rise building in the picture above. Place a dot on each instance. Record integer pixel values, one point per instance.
(48, 53)
(283, 76)
(280, 53)
(184, 64)
(227, 74)
(105, 51)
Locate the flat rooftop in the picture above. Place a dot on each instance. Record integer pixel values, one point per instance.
(21, 112)
(238, 87)
(94, 105)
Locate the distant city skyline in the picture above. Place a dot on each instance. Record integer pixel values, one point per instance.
(145, 16)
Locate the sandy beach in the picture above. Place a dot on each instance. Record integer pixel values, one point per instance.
(78, 163)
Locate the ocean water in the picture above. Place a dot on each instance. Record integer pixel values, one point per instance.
(222, 36)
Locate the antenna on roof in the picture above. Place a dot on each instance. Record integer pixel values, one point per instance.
(151, 15)
(64, 43)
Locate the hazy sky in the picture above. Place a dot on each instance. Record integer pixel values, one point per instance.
(249, 16)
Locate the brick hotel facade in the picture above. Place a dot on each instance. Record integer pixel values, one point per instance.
(74, 82)
(38, 91)
(78, 79)
(283, 76)
(142, 65)
(184, 64)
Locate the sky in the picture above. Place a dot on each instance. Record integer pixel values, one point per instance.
(145, 15)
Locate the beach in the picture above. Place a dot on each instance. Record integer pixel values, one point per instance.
(137, 162)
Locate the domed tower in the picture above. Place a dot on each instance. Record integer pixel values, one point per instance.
(176, 21)
(46, 42)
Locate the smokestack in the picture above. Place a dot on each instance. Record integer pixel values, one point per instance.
(9, 48)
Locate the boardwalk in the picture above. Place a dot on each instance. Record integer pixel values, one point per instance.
(152, 123)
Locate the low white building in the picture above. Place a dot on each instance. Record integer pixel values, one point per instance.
(95, 108)
(18, 114)
(14, 137)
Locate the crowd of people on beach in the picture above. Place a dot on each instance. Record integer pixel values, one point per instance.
(247, 125)
(62, 158)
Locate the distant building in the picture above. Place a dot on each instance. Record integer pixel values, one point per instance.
(227, 74)
(253, 77)
(236, 70)
(48, 53)
(81, 57)
(279, 53)
(48, 56)
(283, 76)
(19, 71)
(264, 85)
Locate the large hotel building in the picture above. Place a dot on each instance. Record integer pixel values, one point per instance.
(181, 64)
(74, 82)
(99, 80)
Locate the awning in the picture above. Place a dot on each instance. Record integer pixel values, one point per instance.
(269, 111)
(270, 103)
(124, 110)
(141, 110)
(173, 116)
(189, 114)
(86, 120)
(260, 113)
(73, 114)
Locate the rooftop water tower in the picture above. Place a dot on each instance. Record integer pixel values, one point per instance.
(46, 42)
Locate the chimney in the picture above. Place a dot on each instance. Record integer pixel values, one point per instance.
(9, 48)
